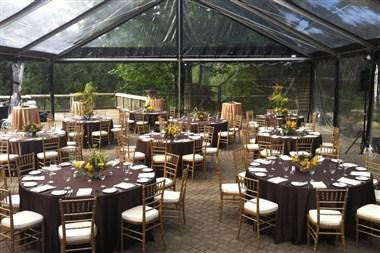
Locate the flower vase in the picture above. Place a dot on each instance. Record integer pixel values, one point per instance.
(34, 134)
(96, 174)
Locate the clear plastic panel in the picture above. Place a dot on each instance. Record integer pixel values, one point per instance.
(153, 33)
(10, 7)
(42, 20)
(90, 25)
(302, 24)
(209, 33)
(361, 17)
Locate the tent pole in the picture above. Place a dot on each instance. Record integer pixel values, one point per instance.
(51, 86)
(336, 93)
(179, 46)
(311, 101)
(370, 105)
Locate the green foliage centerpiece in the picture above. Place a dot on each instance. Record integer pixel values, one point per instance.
(278, 101)
(95, 164)
(306, 163)
(32, 129)
(199, 115)
(289, 128)
(171, 131)
(87, 97)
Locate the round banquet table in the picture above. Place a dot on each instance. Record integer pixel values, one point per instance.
(108, 206)
(4, 111)
(181, 145)
(282, 120)
(22, 115)
(151, 117)
(191, 124)
(230, 110)
(158, 103)
(295, 201)
(290, 141)
(89, 126)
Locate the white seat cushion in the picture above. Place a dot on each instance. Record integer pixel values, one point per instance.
(377, 196)
(266, 152)
(375, 182)
(130, 121)
(242, 174)
(211, 150)
(171, 196)
(369, 212)
(77, 232)
(231, 188)
(23, 219)
(329, 218)
(189, 158)
(141, 122)
(68, 148)
(327, 144)
(115, 130)
(168, 181)
(266, 206)
(158, 158)
(206, 144)
(225, 133)
(73, 134)
(48, 154)
(137, 155)
(253, 140)
(99, 133)
(135, 214)
(117, 126)
(4, 157)
(71, 143)
(251, 146)
(234, 129)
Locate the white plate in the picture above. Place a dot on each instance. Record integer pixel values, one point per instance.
(143, 180)
(147, 170)
(361, 169)
(260, 174)
(296, 183)
(339, 184)
(58, 192)
(35, 172)
(349, 165)
(362, 178)
(65, 164)
(255, 164)
(271, 158)
(29, 184)
(109, 190)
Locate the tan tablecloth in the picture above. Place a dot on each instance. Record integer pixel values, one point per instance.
(78, 108)
(230, 110)
(157, 103)
(24, 115)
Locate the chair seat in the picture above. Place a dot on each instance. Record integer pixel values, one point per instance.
(48, 154)
(117, 126)
(328, 218)
(211, 150)
(4, 157)
(251, 146)
(141, 122)
(23, 220)
(267, 152)
(242, 174)
(252, 141)
(71, 143)
(171, 197)
(231, 188)
(190, 158)
(77, 232)
(226, 133)
(234, 129)
(130, 121)
(116, 129)
(369, 212)
(206, 144)
(265, 206)
(375, 182)
(99, 133)
(137, 155)
(168, 182)
(68, 148)
(135, 214)
(72, 134)
(158, 158)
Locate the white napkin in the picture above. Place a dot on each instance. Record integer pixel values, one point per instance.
(349, 165)
(318, 184)
(285, 157)
(277, 180)
(33, 178)
(112, 163)
(360, 173)
(138, 167)
(348, 181)
(42, 188)
(124, 185)
(84, 192)
(146, 175)
(255, 169)
(262, 161)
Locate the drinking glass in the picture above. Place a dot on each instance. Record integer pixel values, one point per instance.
(67, 174)
(332, 169)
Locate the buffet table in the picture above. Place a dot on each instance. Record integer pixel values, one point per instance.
(109, 206)
(230, 110)
(296, 195)
(22, 115)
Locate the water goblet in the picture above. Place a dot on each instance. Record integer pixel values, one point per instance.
(67, 177)
(332, 169)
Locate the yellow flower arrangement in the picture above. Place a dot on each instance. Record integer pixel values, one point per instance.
(199, 115)
(306, 163)
(150, 108)
(94, 164)
(289, 128)
(171, 130)
(32, 127)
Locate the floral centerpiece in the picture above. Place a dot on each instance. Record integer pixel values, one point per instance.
(94, 165)
(306, 163)
(278, 101)
(32, 128)
(289, 128)
(171, 131)
(87, 97)
(199, 115)
(150, 108)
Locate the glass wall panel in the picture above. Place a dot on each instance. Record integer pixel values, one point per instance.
(10, 7)
(100, 19)
(42, 20)
(361, 17)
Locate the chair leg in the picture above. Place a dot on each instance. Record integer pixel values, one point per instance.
(121, 237)
(343, 240)
(42, 238)
(240, 221)
(316, 240)
(357, 231)
(162, 234)
(221, 208)
(258, 232)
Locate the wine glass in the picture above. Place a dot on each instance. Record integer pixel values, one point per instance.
(332, 169)
(67, 174)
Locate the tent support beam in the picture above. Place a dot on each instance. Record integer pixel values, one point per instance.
(370, 104)
(184, 59)
(121, 20)
(251, 25)
(62, 27)
(336, 93)
(51, 86)
(179, 56)
(277, 22)
(312, 83)
(343, 32)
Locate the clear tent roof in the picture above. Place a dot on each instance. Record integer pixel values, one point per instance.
(192, 28)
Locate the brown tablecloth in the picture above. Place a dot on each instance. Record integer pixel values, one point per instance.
(230, 110)
(24, 115)
(78, 108)
(4, 112)
(157, 103)
(218, 124)
(108, 207)
(151, 117)
(295, 202)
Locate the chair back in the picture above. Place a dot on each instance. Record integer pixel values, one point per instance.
(4, 147)
(264, 142)
(237, 122)
(240, 160)
(161, 123)
(200, 127)
(171, 166)
(6, 209)
(122, 118)
(208, 134)
(105, 125)
(261, 121)
(372, 162)
(140, 117)
(197, 146)
(335, 136)
(331, 199)
(25, 164)
(172, 111)
(185, 175)
(152, 198)
(276, 149)
(252, 191)
(158, 147)
(50, 144)
(305, 144)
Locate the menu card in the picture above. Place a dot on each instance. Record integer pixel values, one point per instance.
(277, 180)
(348, 181)
(84, 192)
(42, 188)
(318, 184)
(360, 173)
(33, 178)
(256, 169)
(124, 185)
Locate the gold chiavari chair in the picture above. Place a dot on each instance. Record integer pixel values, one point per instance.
(208, 136)
(72, 129)
(305, 144)
(74, 148)
(50, 151)
(170, 170)
(141, 124)
(226, 136)
(19, 229)
(138, 220)
(249, 117)
(126, 152)
(158, 149)
(172, 112)
(368, 221)
(97, 137)
(7, 160)
(209, 151)
(196, 159)
(372, 162)
(268, 148)
(261, 121)
(77, 231)
(252, 149)
(173, 202)
(240, 161)
(262, 212)
(120, 127)
(328, 218)
(236, 126)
